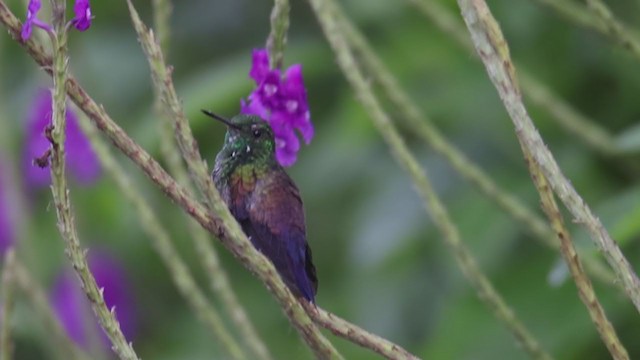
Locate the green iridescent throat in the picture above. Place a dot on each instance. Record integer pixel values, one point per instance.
(249, 143)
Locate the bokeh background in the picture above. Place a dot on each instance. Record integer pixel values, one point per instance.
(381, 263)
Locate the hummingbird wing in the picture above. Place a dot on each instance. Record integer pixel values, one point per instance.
(276, 226)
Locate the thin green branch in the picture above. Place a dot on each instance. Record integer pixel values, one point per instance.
(494, 52)
(57, 336)
(614, 28)
(326, 14)
(598, 17)
(574, 12)
(6, 304)
(200, 175)
(60, 191)
(205, 249)
(277, 40)
(161, 23)
(163, 244)
(585, 289)
(584, 128)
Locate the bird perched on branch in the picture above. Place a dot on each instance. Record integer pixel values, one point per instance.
(264, 200)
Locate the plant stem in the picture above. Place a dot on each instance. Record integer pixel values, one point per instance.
(585, 289)
(161, 20)
(278, 36)
(614, 28)
(6, 304)
(599, 18)
(59, 339)
(576, 123)
(494, 52)
(200, 175)
(357, 335)
(326, 14)
(205, 249)
(60, 191)
(163, 244)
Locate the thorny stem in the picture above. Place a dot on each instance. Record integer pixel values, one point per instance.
(7, 287)
(252, 260)
(200, 175)
(278, 36)
(326, 14)
(494, 52)
(58, 337)
(60, 191)
(585, 289)
(162, 243)
(205, 249)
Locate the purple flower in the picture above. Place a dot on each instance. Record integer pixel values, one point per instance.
(32, 12)
(7, 234)
(72, 306)
(282, 102)
(81, 161)
(82, 20)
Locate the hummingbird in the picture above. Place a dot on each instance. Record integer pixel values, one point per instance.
(265, 200)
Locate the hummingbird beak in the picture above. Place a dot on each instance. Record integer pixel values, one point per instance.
(221, 119)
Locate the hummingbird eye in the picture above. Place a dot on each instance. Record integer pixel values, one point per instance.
(257, 133)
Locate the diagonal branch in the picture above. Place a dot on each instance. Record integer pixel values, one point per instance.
(162, 243)
(494, 52)
(200, 174)
(568, 251)
(207, 253)
(326, 13)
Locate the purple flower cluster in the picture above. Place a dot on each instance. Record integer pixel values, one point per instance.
(81, 161)
(72, 306)
(7, 235)
(82, 20)
(282, 102)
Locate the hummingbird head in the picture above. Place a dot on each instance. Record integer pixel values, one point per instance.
(248, 139)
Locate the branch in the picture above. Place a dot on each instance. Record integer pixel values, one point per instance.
(494, 52)
(585, 289)
(357, 335)
(200, 175)
(326, 13)
(205, 250)
(60, 191)
(585, 129)
(614, 28)
(599, 18)
(162, 243)
(278, 36)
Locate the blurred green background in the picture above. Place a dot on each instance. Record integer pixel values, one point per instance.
(380, 261)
